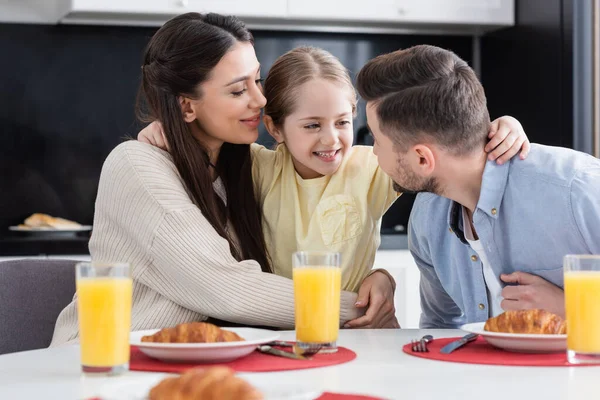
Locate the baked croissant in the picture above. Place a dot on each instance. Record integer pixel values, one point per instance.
(218, 383)
(193, 332)
(39, 220)
(527, 321)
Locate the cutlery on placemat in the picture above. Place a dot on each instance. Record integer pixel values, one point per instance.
(420, 346)
(281, 343)
(450, 347)
(296, 349)
(276, 352)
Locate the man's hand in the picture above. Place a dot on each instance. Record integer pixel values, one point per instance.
(532, 292)
(376, 292)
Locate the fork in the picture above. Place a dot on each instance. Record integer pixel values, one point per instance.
(420, 346)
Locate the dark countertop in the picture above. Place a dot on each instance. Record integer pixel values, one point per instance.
(35, 246)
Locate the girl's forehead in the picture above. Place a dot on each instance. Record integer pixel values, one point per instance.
(322, 84)
(321, 97)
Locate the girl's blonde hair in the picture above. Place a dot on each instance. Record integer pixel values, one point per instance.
(295, 68)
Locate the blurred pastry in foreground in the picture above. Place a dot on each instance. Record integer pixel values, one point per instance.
(40, 221)
(527, 321)
(193, 332)
(214, 383)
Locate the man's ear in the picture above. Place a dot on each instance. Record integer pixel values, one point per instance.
(272, 129)
(424, 159)
(187, 109)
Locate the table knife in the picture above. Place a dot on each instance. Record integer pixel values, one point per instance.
(276, 352)
(450, 347)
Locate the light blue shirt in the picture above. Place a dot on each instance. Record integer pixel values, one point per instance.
(530, 214)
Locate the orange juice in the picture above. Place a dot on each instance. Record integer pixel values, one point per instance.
(104, 311)
(317, 301)
(582, 302)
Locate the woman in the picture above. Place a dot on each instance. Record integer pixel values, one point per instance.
(188, 221)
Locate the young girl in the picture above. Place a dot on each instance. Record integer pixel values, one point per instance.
(317, 191)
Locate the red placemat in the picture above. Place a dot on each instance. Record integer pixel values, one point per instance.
(481, 352)
(343, 396)
(324, 396)
(255, 362)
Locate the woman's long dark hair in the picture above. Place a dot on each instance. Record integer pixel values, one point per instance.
(179, 57)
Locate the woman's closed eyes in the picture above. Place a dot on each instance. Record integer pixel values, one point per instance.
(258, 82)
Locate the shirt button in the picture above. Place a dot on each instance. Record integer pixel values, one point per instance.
(474, 258)
(481, 306)
(494, 211)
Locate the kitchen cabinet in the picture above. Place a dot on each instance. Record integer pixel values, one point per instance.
(242, 8)
(468, 12)
(485, 12)
(465, 17)
(352, 10)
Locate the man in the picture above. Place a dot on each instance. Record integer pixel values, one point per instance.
(486, 237)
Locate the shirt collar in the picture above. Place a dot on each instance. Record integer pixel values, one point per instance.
(493, 185)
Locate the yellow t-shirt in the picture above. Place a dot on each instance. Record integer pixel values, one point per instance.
(341, 212)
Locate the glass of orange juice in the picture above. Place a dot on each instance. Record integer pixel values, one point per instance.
(104, 294)
(317, 288)
(582, 304)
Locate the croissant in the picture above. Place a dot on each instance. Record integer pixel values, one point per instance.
(218, 383)
(39, 220)
(527, 321)
(193, 332)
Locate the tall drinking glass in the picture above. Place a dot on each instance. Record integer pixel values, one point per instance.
(317, 288)
(104, 294)
(582, 305)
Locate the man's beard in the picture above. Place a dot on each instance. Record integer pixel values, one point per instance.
(429, 186)
(413, 184)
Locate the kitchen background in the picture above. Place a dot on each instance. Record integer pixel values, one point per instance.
(68, 95)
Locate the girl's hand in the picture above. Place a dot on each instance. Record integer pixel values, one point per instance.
(507, 138)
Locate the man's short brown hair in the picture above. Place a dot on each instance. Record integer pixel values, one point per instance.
(426, 92)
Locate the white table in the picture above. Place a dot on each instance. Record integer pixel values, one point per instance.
(380, 369)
